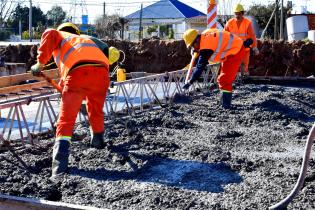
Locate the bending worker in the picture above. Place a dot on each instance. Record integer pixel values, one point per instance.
(217, 46)
(243, 27)
(84, 71)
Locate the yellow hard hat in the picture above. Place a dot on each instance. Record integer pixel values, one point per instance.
(238, 8)
(189, 36)
(113, 54)
(69, 27)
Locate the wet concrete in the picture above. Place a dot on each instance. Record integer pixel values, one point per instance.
(192, 155)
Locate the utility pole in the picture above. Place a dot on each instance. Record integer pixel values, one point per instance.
(104, 5)
(281, 21)
(140, 24)
(266, 27)
(30, 21)
(276, 21)
(20, 28)
(74, 12)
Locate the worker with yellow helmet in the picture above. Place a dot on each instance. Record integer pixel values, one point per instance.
(112, 53)
(83, 64)
(243, 27)
(220, 47)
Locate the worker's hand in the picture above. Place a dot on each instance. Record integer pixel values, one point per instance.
(36, 69)
(186, 86)
(61, 83)
(248, 42)
(213, 86)
(112, 84)
(256, 51)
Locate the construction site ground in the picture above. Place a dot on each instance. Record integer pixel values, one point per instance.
(192, 155)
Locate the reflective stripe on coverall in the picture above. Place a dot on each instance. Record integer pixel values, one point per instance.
(244, 30)
(228, 49)
(87, 82)
(84, 82)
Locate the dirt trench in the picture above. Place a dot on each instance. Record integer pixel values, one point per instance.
(188, 156)
(276, 58)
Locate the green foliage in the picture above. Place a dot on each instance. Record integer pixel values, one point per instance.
(152, 29)
(163, 30)
(36, 35)
(55, 16)
(6, 8)
(108, 26)
(22, 13)
(171, 33)
(262, 14)
(4, 34)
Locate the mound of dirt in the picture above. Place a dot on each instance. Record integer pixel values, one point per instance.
(280, 58)
(189, 156)
(153, 55)
(20, 54)
(276, 58)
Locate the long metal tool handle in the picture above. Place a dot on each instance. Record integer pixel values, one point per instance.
(308, 148)
(52, 82)
(191, 65)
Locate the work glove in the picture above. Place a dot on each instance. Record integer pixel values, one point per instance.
(247, 43)
(186, 86)
(112, 84)
(256, 51)
(36, 69)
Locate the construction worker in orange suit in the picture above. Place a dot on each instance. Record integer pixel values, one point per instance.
(84, 71)
(242, 27)
(217, 46)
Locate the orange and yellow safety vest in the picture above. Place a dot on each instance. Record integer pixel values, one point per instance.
(73, 50)
(222, 43)
(244, 29)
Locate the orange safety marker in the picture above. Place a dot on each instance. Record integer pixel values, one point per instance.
(212, 14)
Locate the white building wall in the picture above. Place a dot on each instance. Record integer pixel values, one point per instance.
(180, 28)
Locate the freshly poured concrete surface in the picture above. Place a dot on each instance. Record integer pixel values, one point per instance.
(190, 156)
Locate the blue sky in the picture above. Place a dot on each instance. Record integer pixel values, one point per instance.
(125, 7)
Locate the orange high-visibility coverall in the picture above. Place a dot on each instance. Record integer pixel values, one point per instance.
(228, 49)
(244, 29)
(84, 75)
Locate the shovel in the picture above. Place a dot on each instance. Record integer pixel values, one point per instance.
(51, 81)
(191, 66)
(183, 98)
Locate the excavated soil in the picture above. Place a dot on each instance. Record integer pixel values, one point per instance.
(192, 155)
(276, 58)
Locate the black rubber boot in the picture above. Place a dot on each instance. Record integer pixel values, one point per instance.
(226, 99)
(60, 157)
(97, 140)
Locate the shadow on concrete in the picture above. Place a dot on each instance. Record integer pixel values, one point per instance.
(185, 174)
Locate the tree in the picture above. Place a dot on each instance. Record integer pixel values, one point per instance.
(6, 9)
(152, 29)
(262, 14)
(108, 26)
(55, 16)
(22, 13)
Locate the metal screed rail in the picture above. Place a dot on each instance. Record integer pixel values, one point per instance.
(33, 111)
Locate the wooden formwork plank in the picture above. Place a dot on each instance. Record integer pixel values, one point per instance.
(14, 80)
(8, 202)
(19, 88)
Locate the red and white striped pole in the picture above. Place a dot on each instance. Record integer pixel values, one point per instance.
(212, 14)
